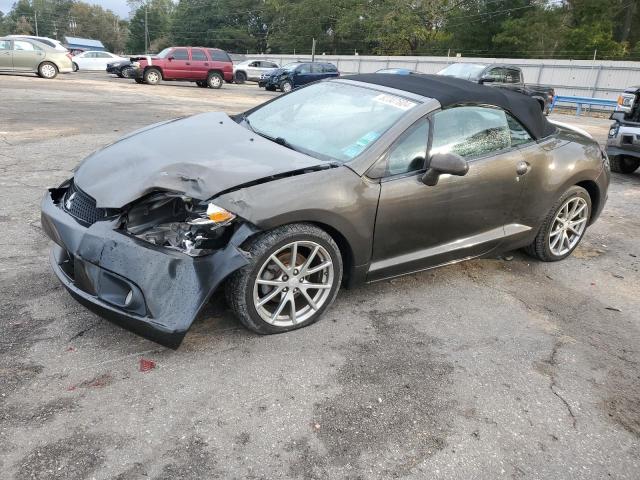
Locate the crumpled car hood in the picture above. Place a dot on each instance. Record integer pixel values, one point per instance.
(199, 156)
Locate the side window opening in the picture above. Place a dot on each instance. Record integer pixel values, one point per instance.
(198, 55)
(470, 131)
(407, 154)
(519, 135)
(180, 54)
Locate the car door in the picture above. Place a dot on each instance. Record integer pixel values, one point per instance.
(85, 60)
(420, 226)
(102, 59)
(26, 56)
(302, 75)
(199, 64)
(253, 70)
(6, 55)
(178, 64)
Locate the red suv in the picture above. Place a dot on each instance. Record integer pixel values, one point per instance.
(208, 67)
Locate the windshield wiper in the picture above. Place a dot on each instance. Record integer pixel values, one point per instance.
(279, 140)
(284, 143)
(245, 119)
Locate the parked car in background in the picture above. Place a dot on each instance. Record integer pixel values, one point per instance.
(50, 42)
(252, 70)
(397, 71)
(95, 60)
(626, 99)
(623, 142)
(207, 67)
(123, 69)
(26, 55)
(501, 76)
(296, 74)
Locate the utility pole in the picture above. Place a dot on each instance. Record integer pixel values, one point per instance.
(35, 17)
(146, 30)
(313, 50)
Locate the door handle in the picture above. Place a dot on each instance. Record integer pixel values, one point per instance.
(187, 63)
(522, 167)
(206, 64)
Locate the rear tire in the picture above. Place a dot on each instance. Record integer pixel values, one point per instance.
(75, 67)
(139, 80)
(622, 164)
(240, 77)
(546, 246)
(268, 308)
(215, 80)
(47, 70)
(152, 76)
(202, 84)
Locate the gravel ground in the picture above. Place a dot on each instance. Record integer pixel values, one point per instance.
(492, 368)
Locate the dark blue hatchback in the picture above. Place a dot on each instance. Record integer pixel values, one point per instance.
(296, 74)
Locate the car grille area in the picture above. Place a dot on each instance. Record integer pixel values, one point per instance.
(83, 207)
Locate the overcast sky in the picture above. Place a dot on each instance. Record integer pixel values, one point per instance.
(118, 6)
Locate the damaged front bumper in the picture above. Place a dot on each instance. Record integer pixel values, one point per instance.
(152, 291)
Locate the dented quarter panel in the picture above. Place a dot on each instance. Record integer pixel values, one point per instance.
(336, 197)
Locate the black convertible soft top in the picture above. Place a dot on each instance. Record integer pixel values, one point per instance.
(454, 91)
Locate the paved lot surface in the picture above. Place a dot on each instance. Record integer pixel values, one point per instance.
(487, 369)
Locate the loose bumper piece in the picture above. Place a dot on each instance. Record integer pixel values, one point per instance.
(152, 291)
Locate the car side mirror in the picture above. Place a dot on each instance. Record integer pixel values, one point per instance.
(486, 80)
(171, 57)
(617, 116)
(444, 163)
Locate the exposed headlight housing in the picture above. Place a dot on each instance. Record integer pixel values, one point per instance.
(613, 132)
(180, 223)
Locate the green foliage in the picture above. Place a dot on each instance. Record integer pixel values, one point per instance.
(158, 14)
(493, 28)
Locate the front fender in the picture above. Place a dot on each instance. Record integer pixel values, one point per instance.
(337, 198)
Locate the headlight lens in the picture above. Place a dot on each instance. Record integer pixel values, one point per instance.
(180, 223)
(613, 132)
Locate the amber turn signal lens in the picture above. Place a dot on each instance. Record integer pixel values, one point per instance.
(219, 215)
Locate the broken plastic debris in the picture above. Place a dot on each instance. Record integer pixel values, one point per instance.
(146, 365)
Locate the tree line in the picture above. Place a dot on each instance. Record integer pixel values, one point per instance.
(496, 28)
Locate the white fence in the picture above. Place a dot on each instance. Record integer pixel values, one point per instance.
(586, 78)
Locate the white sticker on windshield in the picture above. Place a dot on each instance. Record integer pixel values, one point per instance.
(392, 100)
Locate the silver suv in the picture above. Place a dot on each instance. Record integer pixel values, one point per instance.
(252, 70)
(623, 142)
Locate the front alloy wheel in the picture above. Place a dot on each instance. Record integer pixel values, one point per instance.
(152, 77)
(286, 86)
(294, 276)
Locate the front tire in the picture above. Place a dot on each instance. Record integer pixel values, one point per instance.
(152, 76)
(47, 70)
(293, 276)
(622, 164)
(128, 72)
(563, 227)
(286, 86)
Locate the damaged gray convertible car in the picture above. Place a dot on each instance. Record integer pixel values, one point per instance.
(341, 182)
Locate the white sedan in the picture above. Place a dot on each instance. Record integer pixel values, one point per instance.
(95, 60)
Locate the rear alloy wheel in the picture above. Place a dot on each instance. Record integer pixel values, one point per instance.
(622, 164)
(293, 277)
(240, 77)
(47, 70)
(152, 76)
(564, 226)
(214, 80)
(286, 86)
(75, 67)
